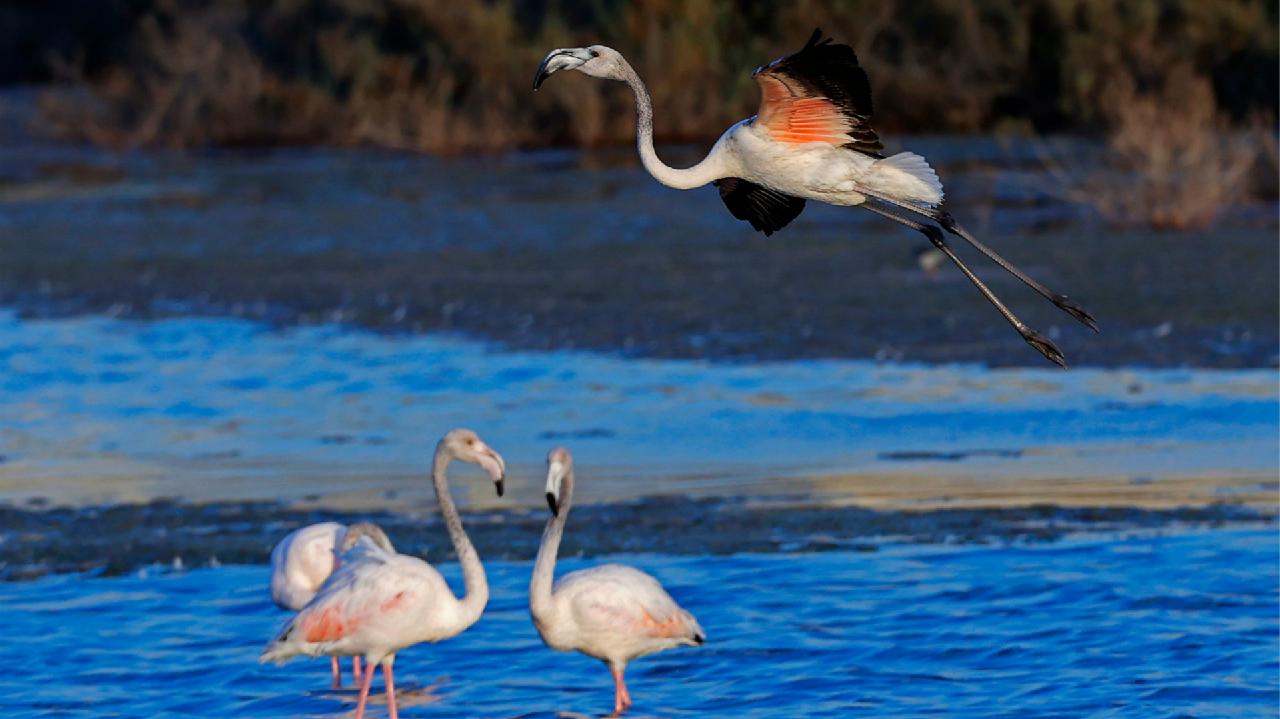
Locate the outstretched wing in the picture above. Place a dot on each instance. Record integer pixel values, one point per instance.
(819, 94)
(767, 210)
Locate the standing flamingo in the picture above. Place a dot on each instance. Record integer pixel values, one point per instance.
(305, 558)
(378, 602)
(611, 612)
(811, 140)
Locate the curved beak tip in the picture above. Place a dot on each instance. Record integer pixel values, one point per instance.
(551, 502)
(540, 76)
(500, 485)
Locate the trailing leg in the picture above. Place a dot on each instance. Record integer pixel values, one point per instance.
(1042, 344)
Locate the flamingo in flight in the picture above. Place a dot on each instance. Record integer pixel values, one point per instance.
(812, 139)
(612, 612)
(377, 602)
(304, 559)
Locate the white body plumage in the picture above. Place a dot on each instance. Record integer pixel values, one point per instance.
(612, 612)
(302, 561)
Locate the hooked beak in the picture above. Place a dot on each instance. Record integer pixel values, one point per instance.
(556, 472)
(492, 463)
(556, 60)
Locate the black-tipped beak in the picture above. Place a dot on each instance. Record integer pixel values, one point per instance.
(551, 502)
(545, 69)
(541, 74)
(500, 485)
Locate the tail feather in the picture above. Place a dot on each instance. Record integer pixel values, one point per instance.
(909, 176)
(280, 650)
(696, 635)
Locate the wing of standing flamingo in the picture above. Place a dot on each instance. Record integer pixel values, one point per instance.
(372, 597)
(617, 599)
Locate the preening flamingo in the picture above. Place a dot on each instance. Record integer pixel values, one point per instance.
(811, 140)
(612, 612)
(378, 602)
(304, 559)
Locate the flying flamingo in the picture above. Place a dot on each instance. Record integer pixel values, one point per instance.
(811, 140)
(305, 558)
(611, 612)
(378, 602)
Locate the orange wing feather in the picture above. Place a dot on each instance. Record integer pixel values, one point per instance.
(327, 625)
(818, 94)
(798, 119)
(674, 626)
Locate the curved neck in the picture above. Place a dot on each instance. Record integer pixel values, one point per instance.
(711, 168)
(476, 586)
(544, 568)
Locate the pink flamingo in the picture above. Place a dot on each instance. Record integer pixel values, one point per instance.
(612, 612)
(305, 558)
(377, 602)
(812, 140)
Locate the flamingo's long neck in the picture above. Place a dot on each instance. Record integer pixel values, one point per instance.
(711, 168)
(544, 568)
(474, 582)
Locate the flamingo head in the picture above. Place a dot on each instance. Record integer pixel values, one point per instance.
(465, 445)
(559, 467)
(596, 61)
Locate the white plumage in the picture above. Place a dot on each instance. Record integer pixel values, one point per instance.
(378, 602)
(612, 612)
(302, 561)
(812, 139)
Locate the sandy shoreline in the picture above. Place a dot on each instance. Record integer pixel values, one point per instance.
(75, 483)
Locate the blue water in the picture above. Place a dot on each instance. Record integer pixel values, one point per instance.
(1173, 625)
(212, 408)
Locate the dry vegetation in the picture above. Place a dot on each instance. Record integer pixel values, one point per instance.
(1171, 160)
(1165, 79)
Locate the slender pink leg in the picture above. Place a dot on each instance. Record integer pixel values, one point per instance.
(364, 694)
(337, 672)
(621, 698)
(355, 670)
(388, 678)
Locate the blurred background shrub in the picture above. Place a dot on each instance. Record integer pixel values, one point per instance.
(1185, 91)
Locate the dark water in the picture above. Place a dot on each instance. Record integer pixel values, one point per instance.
(1180, 624)
(563, 251)
(114, 540)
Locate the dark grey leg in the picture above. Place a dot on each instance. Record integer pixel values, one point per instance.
(1041, 343)
(944, 218)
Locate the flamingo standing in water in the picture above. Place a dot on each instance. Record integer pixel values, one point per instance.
(811, 140)
(305, 558)
(611, 612)
(378, 602)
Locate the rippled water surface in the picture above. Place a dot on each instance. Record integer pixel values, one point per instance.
(104, 410)
(1180, 624)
